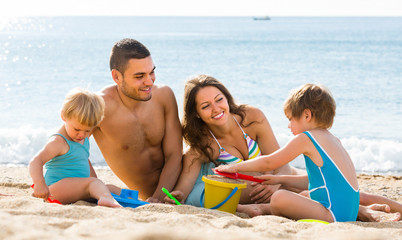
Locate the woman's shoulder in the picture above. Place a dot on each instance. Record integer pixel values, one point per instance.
(192, 155)
(253, 114)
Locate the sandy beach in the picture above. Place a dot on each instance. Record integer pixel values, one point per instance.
(25, 217)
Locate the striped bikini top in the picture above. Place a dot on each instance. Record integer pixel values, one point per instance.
(225, 157)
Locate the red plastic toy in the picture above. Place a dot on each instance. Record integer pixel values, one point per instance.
(238, 176)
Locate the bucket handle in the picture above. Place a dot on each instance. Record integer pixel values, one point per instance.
(220, 204)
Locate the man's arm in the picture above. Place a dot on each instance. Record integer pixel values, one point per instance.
(172, 145)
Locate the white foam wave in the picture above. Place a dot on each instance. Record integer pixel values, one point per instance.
(368, 155)
(18, 146)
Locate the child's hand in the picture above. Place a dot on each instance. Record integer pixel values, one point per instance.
(270, 179)
(41, 191)
(226, 168)
(177, 194)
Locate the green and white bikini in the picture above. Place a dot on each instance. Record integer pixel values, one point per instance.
(224, 157)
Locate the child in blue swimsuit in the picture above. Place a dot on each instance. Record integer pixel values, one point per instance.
(69, 174)
(332, 182)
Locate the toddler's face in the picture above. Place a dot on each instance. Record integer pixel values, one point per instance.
(296, 125)
(76, 131)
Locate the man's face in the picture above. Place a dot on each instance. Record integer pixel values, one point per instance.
(138, 79)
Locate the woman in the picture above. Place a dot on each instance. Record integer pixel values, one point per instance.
(220, 131)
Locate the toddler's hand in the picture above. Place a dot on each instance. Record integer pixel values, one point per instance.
(226, 168)
(270, 179)
(41, 191)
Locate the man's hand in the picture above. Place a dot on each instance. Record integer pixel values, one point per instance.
(153, 200)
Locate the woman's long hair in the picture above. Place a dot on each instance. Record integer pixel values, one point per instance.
(195, 131)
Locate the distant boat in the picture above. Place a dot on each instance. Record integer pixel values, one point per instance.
(262, 18)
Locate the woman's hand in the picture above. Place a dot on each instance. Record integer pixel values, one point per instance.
(177, 194)
(262, 193)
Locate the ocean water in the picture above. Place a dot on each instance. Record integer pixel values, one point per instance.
(358, 59)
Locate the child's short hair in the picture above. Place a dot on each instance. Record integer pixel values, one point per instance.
(85, 106)
(317, 98)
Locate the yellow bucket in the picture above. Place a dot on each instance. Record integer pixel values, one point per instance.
(222, 193)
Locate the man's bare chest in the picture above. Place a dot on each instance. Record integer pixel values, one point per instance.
(140, 131)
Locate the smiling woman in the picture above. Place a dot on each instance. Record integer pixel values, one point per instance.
(218, 130)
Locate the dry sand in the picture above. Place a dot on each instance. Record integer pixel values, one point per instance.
(26, 217)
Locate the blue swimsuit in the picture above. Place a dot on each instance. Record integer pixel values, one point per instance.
(224, 157)
(328, 186)
(72, 164)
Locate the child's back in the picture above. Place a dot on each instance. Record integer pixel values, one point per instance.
(332, 180)
(332, 177)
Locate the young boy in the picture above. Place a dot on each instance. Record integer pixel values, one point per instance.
(69, 174)
(332, 181)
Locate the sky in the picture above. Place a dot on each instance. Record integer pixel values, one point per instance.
(201, 8)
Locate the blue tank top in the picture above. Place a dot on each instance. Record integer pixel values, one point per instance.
(72, 164)
(328, 186)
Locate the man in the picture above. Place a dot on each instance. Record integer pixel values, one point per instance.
(140, 136)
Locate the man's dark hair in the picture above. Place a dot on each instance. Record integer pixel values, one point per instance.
(124, 50)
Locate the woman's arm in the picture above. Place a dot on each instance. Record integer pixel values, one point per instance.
(188, 177)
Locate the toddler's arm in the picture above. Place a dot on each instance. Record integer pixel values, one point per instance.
(55, 147)
(92, 170)
(273, 161)
(293, 181)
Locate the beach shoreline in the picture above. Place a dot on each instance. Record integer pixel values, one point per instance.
(26, 217)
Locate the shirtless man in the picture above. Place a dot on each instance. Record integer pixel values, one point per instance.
(140, 136)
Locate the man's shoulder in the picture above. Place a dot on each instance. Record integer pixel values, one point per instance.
(110, 96)
(162, 90)
(108, 92)
(163, 94)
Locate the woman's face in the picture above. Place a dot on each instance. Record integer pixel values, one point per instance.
(212, 106)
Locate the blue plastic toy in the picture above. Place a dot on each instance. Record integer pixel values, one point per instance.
(129, 198)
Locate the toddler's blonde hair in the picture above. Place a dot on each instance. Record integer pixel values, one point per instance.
(84, 106)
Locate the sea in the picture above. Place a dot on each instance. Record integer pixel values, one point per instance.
(358, 58)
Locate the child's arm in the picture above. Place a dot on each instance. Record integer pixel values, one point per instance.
(55, 147)
(294, 148)
(293, 181)
(92, 170)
